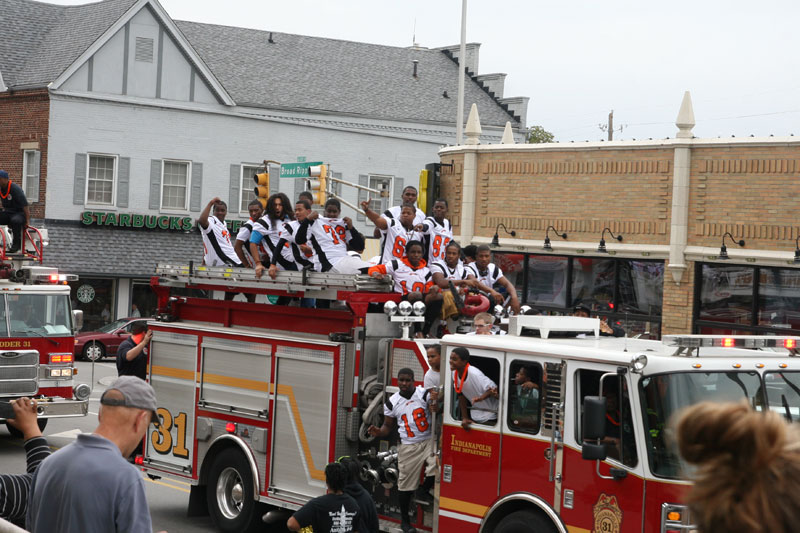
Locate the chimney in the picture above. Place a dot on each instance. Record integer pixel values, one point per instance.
(416, 63)
(494, 82)
(471, 61)
(519, 106)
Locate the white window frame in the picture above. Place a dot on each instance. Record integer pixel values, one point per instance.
(241, 185)
(391, 192)
(188, 164)
(25, 155)
(113, 181)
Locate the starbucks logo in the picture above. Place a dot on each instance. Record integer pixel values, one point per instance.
(85, 293)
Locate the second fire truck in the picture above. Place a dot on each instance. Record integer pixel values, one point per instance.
(255, 399)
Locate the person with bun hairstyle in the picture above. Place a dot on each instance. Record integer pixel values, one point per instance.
(748, 468)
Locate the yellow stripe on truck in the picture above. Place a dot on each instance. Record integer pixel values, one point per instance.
(463, 507)
(252, 384)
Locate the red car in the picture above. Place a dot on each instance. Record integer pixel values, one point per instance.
(94, 345)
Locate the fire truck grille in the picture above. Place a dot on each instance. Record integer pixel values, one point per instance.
(19, 372)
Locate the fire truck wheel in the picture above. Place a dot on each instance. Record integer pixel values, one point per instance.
(17, 434)
(93, 352)
(525, 522)
(230, 494)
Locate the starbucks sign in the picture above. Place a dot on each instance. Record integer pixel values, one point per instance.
(85, 293)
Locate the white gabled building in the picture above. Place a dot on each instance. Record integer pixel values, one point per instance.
(149, 118)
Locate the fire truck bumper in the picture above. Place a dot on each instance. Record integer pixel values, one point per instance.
(61, 408)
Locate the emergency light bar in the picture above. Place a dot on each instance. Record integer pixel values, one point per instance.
(731, 341)
(55, 278)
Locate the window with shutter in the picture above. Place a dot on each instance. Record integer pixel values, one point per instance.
(175, 185)
(100, 179)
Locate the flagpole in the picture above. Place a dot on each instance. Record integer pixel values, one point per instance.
(461, 61)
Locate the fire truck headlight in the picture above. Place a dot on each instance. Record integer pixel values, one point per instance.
(55, 372)
(419, 308)
(390, 308)
(404, 308)
(639, 362)
(81, 391)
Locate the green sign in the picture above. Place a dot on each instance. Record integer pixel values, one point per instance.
(137, 220)
(297, 170)
(301, 159)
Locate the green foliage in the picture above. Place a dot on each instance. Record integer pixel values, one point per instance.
(537, 134)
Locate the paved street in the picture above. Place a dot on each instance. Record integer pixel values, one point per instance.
(168, 499)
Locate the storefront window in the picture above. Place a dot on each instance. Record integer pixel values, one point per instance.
(593, 282)
(143, 297)
(779, 298)
(726, 294)
(95, 297)
(513, 267)
(641, 287)
(547, 280)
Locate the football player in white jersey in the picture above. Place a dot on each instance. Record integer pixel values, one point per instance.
(413, 280)
(330, 237)
(217, 246)
(242, 244)
(407, 410)
(437, 232)
(266, 233)
(302, 254)
(490, 274)
(397, 232)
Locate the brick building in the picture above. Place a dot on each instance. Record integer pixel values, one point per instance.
(671, 200)
(122, 123)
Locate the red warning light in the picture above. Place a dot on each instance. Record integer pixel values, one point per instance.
(139, 460)
(53, 278)
(789, 343)
(230, 427)
(727, 342)
(611, 305)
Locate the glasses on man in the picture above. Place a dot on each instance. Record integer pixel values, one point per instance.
(483, 326)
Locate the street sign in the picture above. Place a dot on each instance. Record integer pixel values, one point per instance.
(297, 170)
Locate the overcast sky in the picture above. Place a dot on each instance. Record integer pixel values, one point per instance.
(579, 59)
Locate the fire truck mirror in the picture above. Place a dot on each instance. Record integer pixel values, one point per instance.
(593, 452)
(594, 417)
(77, 319)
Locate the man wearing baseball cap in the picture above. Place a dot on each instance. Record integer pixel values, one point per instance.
(95, 464)
(15, 212)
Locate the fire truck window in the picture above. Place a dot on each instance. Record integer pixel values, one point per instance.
(3, 317)
(620, 438)
(783, 393)
(39, 314)
(524, 398)
(485, 412)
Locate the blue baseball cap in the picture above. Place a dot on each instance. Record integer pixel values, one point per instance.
(3, 174)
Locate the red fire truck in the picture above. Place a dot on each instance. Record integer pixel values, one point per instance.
(37, 333)
(256, 399)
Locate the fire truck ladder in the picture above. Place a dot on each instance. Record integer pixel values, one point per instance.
(325, 285)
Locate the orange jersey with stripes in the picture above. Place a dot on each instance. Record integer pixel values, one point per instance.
(406, 278)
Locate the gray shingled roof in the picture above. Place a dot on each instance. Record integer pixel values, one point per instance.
(314, 73)
(39, 41)
(116, 252)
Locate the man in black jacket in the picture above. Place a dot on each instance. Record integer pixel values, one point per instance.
(132, 353)
(369, 514)
(15, 212)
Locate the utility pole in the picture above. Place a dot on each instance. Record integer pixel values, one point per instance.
(462, 52)
(609, 127)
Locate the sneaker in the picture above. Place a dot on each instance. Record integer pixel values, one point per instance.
(407, 528)
(457, 299)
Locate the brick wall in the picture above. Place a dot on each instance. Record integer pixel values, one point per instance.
(746, 186)
(25, 116)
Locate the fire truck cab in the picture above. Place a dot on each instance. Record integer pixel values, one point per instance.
(37, 332)
(255, 399)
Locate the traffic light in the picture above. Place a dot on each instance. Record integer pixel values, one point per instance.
(262, 187)
(318, 183)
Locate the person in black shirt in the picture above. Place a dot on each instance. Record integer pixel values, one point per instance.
(335, 512)
(131, 354)
(15, 211)
(366, 505)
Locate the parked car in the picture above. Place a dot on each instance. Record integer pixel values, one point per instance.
(94, 345)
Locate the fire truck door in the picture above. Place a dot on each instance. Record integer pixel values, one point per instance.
(608, 498)
(533, 397)
(173, 361)
(303, 419)
(470, 459)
